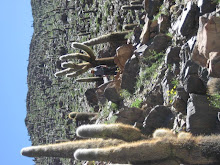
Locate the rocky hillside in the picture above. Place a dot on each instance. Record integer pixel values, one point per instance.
(167, 55)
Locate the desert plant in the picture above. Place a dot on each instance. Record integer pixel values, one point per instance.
(82, 115)
(213, 86)
(132, 7)
(74, 70)
(67, 149)
(137, 103)
(90, 79)
(111, 37)
(183, 147)
(118, 131)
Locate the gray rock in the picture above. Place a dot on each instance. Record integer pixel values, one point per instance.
(201, 117)
(180, 100)
(111, 94)
(159, 44)
(130, 115)
(172, 55)
(159, 117)
(206, 6)
(129, 76)
(91, 97)
(189, 20)
(193, 84)
(167, 86)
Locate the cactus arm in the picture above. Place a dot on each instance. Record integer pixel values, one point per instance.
(76, 55)
(109, 61)
(85, 48)
(90, 79)
(111, 37)
(64, 72)
(80, 71)
(73, 65)
(117, 131)
(66, 149)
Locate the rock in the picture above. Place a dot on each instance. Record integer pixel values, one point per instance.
(213, 64)
(164, 23)
(112, 94)
(201, 117)
(152, 7)
(179, 123)
(137, 33)
(193, 84)
(189, 19)
(129, 76)
(172, 55)
(123, 53)
(130, 115)
(189, 68)
(145, 34)
(167, 86)
(91, 97)
(159, 44)
(180, 100)
(154, 97)
(206, 6)
(159, 117)
(208, 39)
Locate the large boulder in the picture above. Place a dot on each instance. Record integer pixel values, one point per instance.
(187, 23)
(201, 117)
(159, 44)
(213, 64)
(145, 34)
(129, 76)
(123, 53)
(206, 6)
(208, 39)
(159, 117)
(130, 116)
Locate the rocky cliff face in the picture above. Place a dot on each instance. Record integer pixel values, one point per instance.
(169, 68)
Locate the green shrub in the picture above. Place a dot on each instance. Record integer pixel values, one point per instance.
(137, 103)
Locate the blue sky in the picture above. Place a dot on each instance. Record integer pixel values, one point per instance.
(16, 33)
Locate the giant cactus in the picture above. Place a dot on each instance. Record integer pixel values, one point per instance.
(66, 149)
(74, 70)
(163, 148)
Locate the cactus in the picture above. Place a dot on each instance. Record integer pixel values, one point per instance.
(67, 149)
(132, 7)
(90, 79)
(163, 148)
(82, 115)
(74, 70)
(111, 37)
(185, 147)
(136, 2)
(118, 131)
(129, 26)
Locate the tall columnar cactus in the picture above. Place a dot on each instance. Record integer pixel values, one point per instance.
(132, 7)
(90, 79)
(116, 131)
(67, 149)
(74, 70)
(111, 37)
(163, 148)
(82, 115)
(183, 148)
